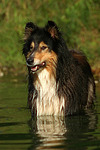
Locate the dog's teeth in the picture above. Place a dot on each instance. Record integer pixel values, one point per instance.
(36, 67)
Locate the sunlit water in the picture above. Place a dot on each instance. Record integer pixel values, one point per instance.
(18, 131)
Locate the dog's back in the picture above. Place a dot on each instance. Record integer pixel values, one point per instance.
(60, 81)
(81, 58)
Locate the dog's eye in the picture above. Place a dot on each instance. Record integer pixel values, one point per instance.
(31, 48)
(43, 47)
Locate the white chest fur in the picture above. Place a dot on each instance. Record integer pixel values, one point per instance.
(48, 102)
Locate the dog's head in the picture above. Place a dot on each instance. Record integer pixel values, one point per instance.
(39, 48)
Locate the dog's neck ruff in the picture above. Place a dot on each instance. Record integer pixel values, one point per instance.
(47, 101)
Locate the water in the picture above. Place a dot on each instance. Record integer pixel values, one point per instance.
(18, 131)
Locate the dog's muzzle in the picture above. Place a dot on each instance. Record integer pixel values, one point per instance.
(36, 67)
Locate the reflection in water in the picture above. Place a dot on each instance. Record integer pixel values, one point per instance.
(51, 130)
(64, 134)
(18, 131)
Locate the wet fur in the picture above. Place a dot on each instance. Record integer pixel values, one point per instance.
(65, 85)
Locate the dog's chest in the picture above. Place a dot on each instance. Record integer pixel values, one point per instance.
(47, 101)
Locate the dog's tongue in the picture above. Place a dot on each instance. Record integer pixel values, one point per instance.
(35, 68)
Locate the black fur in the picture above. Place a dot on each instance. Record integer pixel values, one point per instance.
(73, 72)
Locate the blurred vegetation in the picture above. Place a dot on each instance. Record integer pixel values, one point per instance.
(79, 20)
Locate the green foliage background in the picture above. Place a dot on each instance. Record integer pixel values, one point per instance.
(79, 20)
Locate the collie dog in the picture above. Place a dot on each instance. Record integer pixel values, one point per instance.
(60, 80)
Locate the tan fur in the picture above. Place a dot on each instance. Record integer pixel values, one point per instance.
(47, 101)
(42, 44)
(53, 32)
(80, 57)
(32, 45)
(31, 49)
(49, 57)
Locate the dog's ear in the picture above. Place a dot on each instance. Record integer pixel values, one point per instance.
(52, 28)
(29, 28)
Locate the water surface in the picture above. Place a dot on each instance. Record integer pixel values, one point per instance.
(18, 131)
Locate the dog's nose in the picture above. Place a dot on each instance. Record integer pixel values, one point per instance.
(30, 61)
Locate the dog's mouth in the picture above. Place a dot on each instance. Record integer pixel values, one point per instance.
(36, 67)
